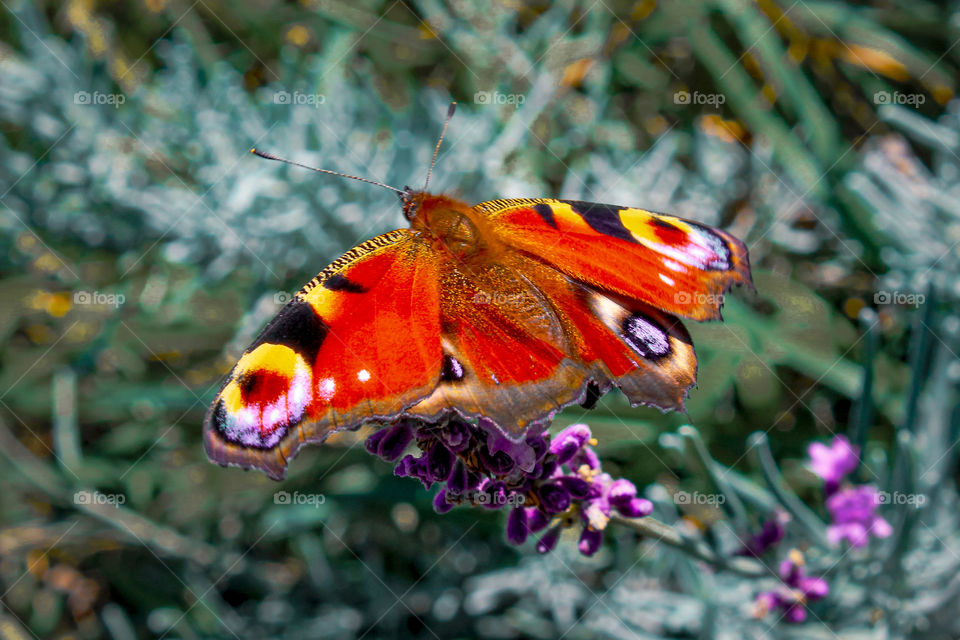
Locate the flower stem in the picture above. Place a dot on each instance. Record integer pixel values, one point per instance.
(653, 528)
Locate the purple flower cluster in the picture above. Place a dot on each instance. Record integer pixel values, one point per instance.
(852, 508)
(796, 591)
(549, 485)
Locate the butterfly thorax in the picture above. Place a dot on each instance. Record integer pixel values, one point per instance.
(451, 223)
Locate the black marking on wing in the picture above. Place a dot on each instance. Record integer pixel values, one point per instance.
(591, 395)
(603, 218)
(452, 370)
(219, 416)
(377, 242)
(665, 224)
(545, 211)
(248, 381)
(338, 282)
(645, 336)
(296, 326)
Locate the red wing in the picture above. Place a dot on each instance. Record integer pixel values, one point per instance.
(673, 264)
(499, 361)
(522, 340)
(360, 342)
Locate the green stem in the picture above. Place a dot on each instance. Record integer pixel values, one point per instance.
(760, 446)
(653, 528)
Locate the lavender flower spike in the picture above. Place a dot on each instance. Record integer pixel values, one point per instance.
(547, 485)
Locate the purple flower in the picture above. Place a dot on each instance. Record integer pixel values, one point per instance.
(590, 541)
(606, 494)
(521, 454)
(549, 540)
(797, 590)
(536, 520)
(771, 533)
(553, 498)
(459, 480)
(578, 488)
(455, 436)
(622, 495)
(441, 504)
(833, 462)
(439, 463)
(549, 485)
(853, 512)
(569, 442)
(499, 463)
(389, 442)
(518, 526)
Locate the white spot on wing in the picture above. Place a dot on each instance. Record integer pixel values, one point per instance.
(326, 388)
(363, 375)
(674, 266)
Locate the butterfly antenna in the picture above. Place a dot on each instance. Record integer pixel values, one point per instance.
(270, 156)
(436, 150)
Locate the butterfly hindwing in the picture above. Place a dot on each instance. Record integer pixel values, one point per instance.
(360, 342)
(505, 358)
(523, 340)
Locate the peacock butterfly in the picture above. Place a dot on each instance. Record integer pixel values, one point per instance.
(508, 310)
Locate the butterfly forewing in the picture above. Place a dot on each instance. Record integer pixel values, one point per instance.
(360, 342)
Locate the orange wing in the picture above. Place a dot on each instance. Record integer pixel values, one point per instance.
(522, 340)
(579, 296)
(360, 342)
(677, 265)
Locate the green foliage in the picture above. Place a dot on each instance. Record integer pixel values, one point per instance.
(125, 180)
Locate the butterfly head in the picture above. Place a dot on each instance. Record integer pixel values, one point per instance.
(411, 201)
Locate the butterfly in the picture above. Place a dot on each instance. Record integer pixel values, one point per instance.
(505, 311)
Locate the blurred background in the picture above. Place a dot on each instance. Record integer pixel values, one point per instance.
(143, 248)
